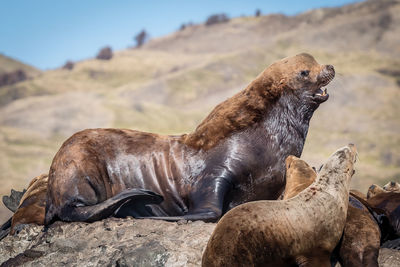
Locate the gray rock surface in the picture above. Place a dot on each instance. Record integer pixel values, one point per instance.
(118, 242)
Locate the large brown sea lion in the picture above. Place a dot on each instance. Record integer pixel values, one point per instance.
(361, 238)
(234, 156)
(301, 230)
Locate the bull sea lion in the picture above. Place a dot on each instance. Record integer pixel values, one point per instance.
(301, 230)
(234, 156)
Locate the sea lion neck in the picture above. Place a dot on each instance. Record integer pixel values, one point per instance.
(288, 120)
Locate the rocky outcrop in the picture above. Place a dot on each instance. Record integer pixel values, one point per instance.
(111, 242)
(118, 242)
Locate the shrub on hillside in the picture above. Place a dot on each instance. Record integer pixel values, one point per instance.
(12, 77)
(105, 53)
(184, 26)
(217, 18)
(69, 65)
(141, 38)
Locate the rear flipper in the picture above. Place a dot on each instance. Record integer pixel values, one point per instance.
(107, 208)
(5, 229)
(12, 201)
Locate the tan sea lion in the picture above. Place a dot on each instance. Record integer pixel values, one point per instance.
(234, 156)
(374, 190)
(392, 187)
(360, 242)
(299, 175)
(302, 230)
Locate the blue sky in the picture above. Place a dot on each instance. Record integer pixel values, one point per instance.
(47, 33)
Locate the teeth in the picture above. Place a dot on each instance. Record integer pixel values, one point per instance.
(324, 92)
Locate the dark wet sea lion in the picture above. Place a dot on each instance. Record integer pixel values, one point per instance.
(302, 230)
(234, 156)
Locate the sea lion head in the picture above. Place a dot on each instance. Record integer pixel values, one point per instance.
(392, 187)
(375, 190)
(303, 76)
(343, 161)
(299, 175)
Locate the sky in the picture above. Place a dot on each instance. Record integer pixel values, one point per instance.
(47, 33)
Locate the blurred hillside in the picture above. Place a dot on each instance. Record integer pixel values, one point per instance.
(171, 83)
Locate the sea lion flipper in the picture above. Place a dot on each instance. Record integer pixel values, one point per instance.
(108, 207)
(12, 201)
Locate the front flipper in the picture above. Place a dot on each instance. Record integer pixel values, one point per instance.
(206, 201)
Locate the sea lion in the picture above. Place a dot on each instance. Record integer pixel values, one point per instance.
(361, 238)
(301, 230)
(392, 187)
(360, 242)
(374, 190)
(234, 156)
(299, 175)
(32, 206)
(386, 208)
(358, 194)
(28, 205)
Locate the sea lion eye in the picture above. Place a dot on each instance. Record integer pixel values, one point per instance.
(304, 73)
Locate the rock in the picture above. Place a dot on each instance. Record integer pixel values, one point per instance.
(118, 242)
(110, 242)
(389, 257)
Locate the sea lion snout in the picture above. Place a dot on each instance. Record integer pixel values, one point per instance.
(326, 75)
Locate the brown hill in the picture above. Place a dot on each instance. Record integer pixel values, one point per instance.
(172, 82)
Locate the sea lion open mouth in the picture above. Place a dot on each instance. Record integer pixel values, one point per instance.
(321, 95)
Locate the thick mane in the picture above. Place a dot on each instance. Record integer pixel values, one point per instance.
(236, 113)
